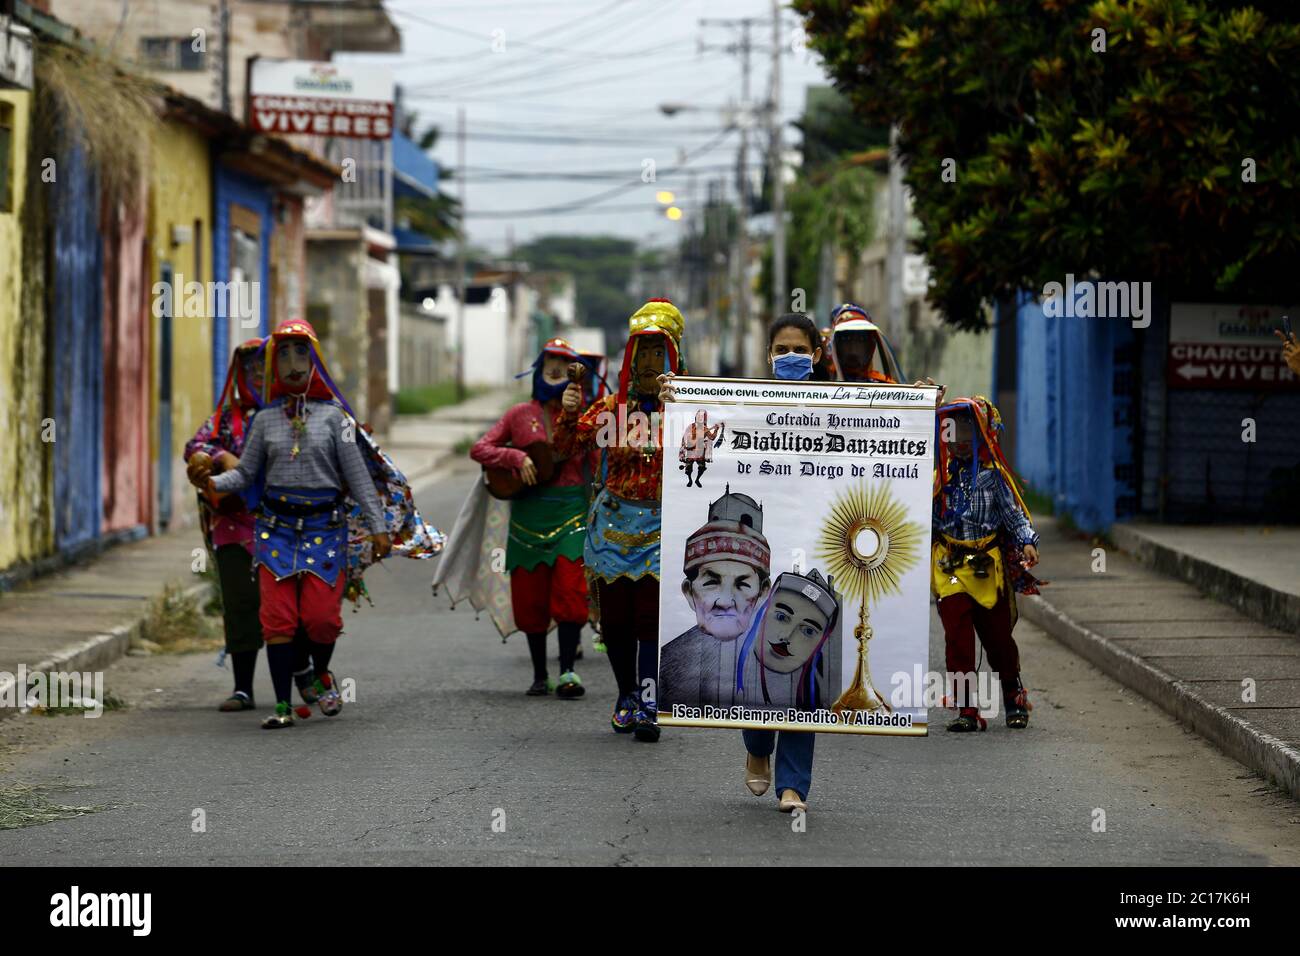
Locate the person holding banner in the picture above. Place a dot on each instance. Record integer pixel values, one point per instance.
(983, 547)
(859, 350)
(793, 351)
(544, 547)
(621, 552)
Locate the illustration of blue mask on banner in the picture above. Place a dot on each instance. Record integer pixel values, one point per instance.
(793, 366)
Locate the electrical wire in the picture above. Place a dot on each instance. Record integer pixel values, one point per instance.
(608, 193)
(583, 211)
(527, 44)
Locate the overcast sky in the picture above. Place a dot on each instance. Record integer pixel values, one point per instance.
(539, 79)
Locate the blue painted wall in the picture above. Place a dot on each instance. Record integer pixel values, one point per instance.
(234, 188)
(76, 352)
(1075, 413)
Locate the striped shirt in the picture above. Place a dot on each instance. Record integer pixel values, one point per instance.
(326, 458)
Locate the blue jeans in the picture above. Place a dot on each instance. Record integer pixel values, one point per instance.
(794, 756)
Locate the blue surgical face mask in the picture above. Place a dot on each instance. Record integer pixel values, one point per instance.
(793, 366)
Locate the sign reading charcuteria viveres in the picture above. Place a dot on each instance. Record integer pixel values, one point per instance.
(795, 555)
(320, 99)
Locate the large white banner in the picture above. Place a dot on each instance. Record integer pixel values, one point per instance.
(794, 557)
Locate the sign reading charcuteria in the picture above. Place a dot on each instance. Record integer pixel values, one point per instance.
(320, 99)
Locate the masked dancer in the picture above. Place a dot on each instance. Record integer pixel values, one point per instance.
(983, 548)
(622, 546)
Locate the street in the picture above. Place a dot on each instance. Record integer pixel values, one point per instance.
(441, 744)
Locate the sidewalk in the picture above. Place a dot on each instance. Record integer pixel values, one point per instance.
(1255, 569)
(83, 617)
(420, 444)
(1187, 652)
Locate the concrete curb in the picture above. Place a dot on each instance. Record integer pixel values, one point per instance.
(1259, 601)
(93, 653)
(1261, 752)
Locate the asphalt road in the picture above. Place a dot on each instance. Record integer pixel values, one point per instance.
(442, 742)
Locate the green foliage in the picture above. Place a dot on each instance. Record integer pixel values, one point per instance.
(836, 206)
(1126, 163)
(418, 401)
(831, 203)
(602, 268)
(438, 218)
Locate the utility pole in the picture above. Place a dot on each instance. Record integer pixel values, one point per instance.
(780, 294)
(745, 48)
(897, 240)
(224, 26)
(462, 284)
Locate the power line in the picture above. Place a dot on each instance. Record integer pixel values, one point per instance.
(494, 51)
(527, 44)
(557, 213)
(492, 80)
(488, 174)
(543, 140)
(566, 129)
(609, 193)
(639, 71)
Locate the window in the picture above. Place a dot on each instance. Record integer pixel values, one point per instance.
(6, 156)
(170, 53)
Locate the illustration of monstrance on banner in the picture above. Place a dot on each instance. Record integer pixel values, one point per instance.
(867, 545)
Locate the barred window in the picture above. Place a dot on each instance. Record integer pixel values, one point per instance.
(170, 53)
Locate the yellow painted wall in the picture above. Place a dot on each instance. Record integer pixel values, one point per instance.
(25, 529)
(181, 194)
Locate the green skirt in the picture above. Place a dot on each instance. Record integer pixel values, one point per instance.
(548, 524)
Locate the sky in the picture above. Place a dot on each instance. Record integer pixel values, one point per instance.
(574, 87)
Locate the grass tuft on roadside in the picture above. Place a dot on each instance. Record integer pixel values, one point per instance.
(110, 702)
(23, 806)
(176, 624)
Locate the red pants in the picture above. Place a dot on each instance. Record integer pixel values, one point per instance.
(547, 592)
(962, 618)
(301, 598)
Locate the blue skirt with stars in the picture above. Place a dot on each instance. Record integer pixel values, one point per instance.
(622, 538)
(302, 531)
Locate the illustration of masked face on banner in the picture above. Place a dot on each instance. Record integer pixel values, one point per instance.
(793, 630)
(787, 640)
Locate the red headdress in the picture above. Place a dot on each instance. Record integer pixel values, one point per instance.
(988, 449)
(320, 385)
(238, 393)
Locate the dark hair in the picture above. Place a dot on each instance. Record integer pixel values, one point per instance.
(795, 320)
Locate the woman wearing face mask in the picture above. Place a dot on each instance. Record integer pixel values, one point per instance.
(305, 447)
(793, 352)
(547, 525)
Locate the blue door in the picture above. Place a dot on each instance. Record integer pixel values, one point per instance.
(76, 353)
